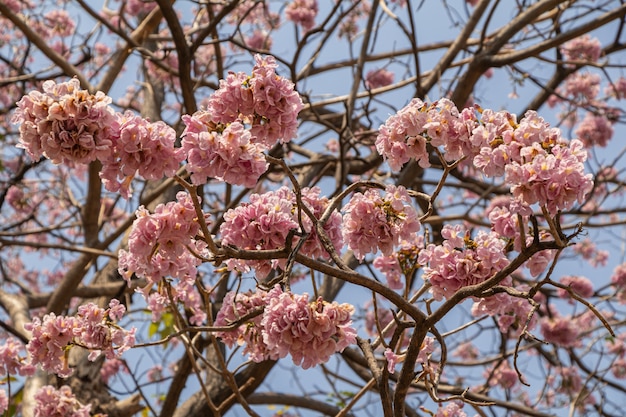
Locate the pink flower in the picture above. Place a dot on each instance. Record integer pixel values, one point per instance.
(392, 360)
(11, 363)
(583, 48)
(562, 331)
(373, 223)
(452, 409)
(267, 221)
(60, 22)
(91, 328)
(400, 262)
(4, 401)
(226, 153)
(594, 131)
(66, 124)
(617, 88)
(142, 148)
(461, 261)
(511, 312)
(401, 137)
(378, 78)
(234, 307)
(263, 223)
(264, 100)
(158, 243)
(580, 285)
(310, 332)
(503, 375)
(50, 402)
(302, 12)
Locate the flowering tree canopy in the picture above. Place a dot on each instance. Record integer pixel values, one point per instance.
(312, 207)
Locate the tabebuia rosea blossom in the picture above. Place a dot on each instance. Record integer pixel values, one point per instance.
(66, 124)
(373, 222)
(244, 117)
(226, 153)
(461, 260)
(538, 164)
(264, 101)
(286, 324)
(143, 148)
(267, 220)
(401, 262)
(50, 401)
(166, 244)
(159, 242)
(92, 328)
(302, 12)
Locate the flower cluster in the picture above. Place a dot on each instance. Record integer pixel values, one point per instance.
(302, 12)
(373, 223)
(11, 363)
(50, 402)
(159, 242)
(406, 134)
(265, 101)
(244, 117)
(512, 313)
(539, 165)
(267, 221)
(66, 124)
(92, 328)
(461, 261)
(226, 153)
(142, 148)
(286, 323)
(402, 262)
(594, 130)
(583, 48)
(378, 78)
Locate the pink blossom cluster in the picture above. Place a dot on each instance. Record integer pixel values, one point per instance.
(461, 260)
(512, 313)
(584, 48)
(227, 154)
(590, 252)
(594, 130)
(11, 362)
(302, 13)
(454, 408)
(377, 78)
(537, 163)
(373, 223)
(244, 117)
(50, 402)
(289, 325)
(142, 148)
(563, 331)
(617, 346)
(71, 126)
(159, 243)
(267, 220)
(618, 282)
(581, 286)
(66, 124)
(501, 375)
(404, 136)
(617, 88)
(92, 328)
(402, 262)
(264, 101)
